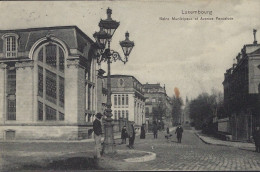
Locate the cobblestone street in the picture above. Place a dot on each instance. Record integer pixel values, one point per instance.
(191, 154)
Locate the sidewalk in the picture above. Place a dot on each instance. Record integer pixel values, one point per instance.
(214, 141)
(55, 141)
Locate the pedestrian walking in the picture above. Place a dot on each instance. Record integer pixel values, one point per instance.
(124, 135)
(97, 134)
(256, 136)
(131, 136)
(142, 135)
(179, 131)
(155, 130)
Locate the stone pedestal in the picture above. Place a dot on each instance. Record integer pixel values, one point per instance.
(108, 146)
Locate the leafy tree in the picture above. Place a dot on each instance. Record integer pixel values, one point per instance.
(176, 109)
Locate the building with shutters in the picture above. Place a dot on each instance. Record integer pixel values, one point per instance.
(127, 99)
(242, 93)
(48, 83)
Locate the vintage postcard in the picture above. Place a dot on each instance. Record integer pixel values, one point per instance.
(168, 85)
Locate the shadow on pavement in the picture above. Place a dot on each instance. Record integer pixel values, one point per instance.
(74, 163)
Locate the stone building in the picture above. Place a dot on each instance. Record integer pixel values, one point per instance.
(158, 106)
(48, 83)
(127, 99)
(242, 93)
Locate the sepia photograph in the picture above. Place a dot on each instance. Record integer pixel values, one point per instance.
(120, 85)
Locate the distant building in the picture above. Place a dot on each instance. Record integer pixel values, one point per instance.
(158, 106)
(48, 83)
(127, 99)
(242, 92)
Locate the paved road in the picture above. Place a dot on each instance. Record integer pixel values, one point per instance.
(191, 154)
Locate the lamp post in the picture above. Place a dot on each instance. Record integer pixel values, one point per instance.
(103, 39)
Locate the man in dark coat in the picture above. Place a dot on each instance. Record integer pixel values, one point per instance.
(124, 135)
(179, 131)
(131, 136)
(97, 134)
(155, 130)
(142, 135)
(256, 136)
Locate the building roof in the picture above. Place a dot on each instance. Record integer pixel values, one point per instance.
(121, 76)
(72, 36)
(149, 86)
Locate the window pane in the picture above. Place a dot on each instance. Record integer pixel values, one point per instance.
(51, 88)
(61, 91)
(61, 116)
(51, 55)
(126, 114)
(123, 99)
(40, 55)
(115, 100)
(11, 81)
(123, 114)
(119, 114)
(61, 65)
(40, 81)
(126, 101)
(40, 111)
(50, 113)
(115, 114)
(11, 110)
(119, 100)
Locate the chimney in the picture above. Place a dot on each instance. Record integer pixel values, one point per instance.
(254, 32)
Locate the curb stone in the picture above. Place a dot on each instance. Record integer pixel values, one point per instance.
(145, 158)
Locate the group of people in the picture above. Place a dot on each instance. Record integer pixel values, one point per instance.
(126, 132)
(130, 134)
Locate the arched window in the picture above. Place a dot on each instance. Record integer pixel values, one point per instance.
(50, 63)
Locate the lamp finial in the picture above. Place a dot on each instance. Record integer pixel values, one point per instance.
(254, 32)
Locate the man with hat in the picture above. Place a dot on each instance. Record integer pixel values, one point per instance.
(97, 134)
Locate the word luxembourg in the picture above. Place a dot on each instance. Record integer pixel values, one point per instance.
(196, 12)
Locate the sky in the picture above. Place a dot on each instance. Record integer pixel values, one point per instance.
(190, 55)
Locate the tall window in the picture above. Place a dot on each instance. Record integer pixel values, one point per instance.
(123, 114)
(11, 90)
(11, 47)
(119, 114)
(115, 114)
(119, 100)
(123, 100)
(127, 115)
(126, 100)
(11, 110)
(51, 83)
(115, 100)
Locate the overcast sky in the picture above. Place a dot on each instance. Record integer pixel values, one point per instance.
(190, 55)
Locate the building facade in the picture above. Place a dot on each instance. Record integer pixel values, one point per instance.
(48, 83)
(127, 99)
(158, 106)
(242, 93)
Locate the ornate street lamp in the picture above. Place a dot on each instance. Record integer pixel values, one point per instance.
(104, 36)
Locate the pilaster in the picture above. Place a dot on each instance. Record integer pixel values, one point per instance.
(24, 91)
(2, 91)
(74, 92)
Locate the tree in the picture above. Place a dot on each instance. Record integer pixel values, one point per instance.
(202, 110)
(176, 109)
